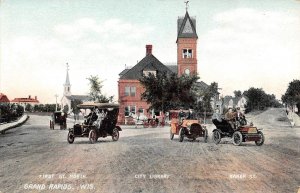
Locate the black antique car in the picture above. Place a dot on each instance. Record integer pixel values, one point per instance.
(101, 122)
(58, 118)
(242, 132)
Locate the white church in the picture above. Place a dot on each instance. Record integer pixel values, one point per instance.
(68, 97)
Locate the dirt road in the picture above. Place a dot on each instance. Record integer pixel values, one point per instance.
(36, 159)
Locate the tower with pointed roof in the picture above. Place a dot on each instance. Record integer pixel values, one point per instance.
(67, 85)
(186, 45)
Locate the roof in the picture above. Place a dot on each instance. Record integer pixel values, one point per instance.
(149, 62)
(201, 85)
(25, 100)
(186, 27)
(89, 105)
(173, 68)
(124, 71)
(3, 98)
(79, 97)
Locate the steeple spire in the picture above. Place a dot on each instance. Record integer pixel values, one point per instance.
(67, 85)
(67, 77)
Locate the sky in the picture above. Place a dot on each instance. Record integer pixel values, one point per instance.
(241, 43)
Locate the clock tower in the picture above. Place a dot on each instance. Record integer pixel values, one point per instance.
(186, 45)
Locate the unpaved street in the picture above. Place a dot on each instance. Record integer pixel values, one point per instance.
(37, 159)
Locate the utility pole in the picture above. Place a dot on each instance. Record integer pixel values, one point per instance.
(56, 101)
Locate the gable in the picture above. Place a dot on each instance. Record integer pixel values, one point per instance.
(186, 27)
(148, 63)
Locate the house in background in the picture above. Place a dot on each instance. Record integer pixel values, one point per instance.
(3, 98)
(234, 102)
(24, 101)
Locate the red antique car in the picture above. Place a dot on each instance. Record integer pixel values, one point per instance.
(191, 129)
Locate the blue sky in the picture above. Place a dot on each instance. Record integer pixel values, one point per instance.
(242, 43)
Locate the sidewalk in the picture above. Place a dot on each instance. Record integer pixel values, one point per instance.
(7, 126)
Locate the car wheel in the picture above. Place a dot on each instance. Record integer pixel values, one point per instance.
(92, 135)
(237, 138)
(216, 137)
(115, 134)
(181, 135)
(262, 139)
(171, 135)
(205, 135)
(71, 137)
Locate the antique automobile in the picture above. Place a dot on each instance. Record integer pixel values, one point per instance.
(101, 122)
(191, 129)
(58, 118)
(242, 131)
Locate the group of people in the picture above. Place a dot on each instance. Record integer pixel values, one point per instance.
(190, 115)
(95, 117)
(230, 116)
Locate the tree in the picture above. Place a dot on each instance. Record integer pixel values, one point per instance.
(95, 90)
(292, 94)
(168, 91)
(259, 100)
(206, 96)
(237, 93)
(28, 107)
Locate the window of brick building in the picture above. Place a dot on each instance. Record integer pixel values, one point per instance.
(187, 53)
(130, 91)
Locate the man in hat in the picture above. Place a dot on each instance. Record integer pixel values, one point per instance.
(230, 117)
(191, 115)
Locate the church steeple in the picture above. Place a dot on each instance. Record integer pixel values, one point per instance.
(67, 85)
(186, 45)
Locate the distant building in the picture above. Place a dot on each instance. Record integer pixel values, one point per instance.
(234, 102)
(24, 101)
(3, 98)
(129, 87)
(68, 97)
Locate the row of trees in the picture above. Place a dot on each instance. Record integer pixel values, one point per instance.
(10, 112)
(41, 108)
(292, 94)
(258, 99)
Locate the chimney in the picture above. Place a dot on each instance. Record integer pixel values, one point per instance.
(148, 49)
(35, 97)
(29, 96)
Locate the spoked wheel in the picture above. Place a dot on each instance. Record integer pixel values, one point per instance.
(262, 139)
(171, 135)
(115, 134)
(237, 138)
(93, 136)
(181, 135)
(146, 124)
(205, 135)
(216, 137)
(71, 137)
(51, 125)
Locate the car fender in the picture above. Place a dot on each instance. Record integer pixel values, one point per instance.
(119, 128)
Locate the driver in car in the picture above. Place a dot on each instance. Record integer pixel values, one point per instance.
(230, 117)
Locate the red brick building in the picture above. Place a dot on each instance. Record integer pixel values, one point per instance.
(129, 87)
(3, 98)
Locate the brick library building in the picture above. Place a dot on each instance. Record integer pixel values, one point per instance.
(129, 87)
